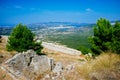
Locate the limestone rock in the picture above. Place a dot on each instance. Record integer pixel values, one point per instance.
(58, 68)
(28, 65)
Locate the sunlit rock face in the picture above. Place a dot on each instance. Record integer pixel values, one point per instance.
(28, 65)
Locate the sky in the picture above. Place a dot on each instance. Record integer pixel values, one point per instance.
(35, 11)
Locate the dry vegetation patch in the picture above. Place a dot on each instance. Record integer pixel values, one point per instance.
(4, 75)
(62, 57)
(4, 54)
(104, 67)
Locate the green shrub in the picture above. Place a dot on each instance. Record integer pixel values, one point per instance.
(37, 47)
(84, 50)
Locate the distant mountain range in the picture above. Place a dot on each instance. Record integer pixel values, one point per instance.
(56, 24)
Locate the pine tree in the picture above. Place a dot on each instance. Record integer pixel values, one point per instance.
(21, 39)
(101, 41)
(116, 38)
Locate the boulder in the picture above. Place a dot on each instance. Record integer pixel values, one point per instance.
(28, 65)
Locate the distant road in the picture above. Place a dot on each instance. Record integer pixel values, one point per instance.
(60, 48)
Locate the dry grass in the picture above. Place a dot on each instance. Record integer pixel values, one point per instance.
(105, 67)
(73, 75)
(3, 45)
(4, 55)
(106, 61)
(41, 76)
(62, 57)
(4, 75)
(3, 51)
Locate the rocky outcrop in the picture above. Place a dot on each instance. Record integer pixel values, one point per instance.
(59, 72)
(28, 65)
(58, 68)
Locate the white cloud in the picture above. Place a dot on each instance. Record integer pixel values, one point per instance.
(89, 10)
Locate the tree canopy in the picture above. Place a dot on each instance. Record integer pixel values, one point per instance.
(106, 37)
(21, 39)
(116, 38)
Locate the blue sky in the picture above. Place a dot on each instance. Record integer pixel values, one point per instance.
(35, 11)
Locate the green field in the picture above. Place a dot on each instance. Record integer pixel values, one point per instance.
(72, 40)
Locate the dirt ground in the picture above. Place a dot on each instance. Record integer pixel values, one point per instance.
(61, 57)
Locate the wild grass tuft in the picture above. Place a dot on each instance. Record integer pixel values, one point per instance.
(104, 67)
